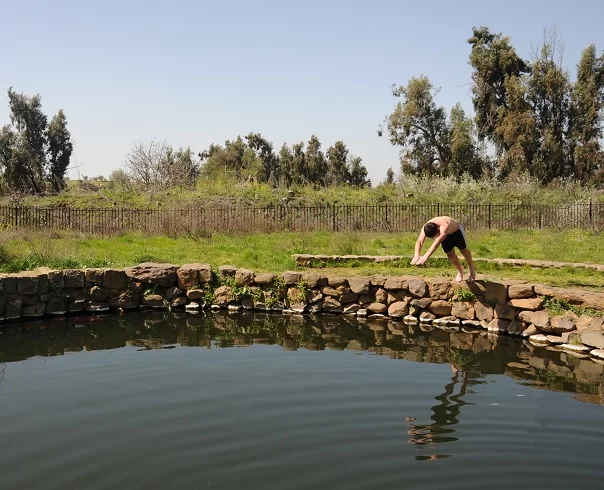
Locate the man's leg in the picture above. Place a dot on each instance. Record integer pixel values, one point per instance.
(455, 261)
(468, 256)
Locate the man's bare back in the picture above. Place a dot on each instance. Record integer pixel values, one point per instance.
(446, 223)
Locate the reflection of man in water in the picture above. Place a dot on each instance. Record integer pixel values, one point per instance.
(444, 415)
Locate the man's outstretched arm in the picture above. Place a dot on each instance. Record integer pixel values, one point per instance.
(437, 241)
(418, 247)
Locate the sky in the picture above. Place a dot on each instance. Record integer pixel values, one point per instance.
(200, 72)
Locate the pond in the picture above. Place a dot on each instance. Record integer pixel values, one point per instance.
(256, 401)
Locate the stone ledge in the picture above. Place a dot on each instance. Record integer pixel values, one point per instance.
(306, 260)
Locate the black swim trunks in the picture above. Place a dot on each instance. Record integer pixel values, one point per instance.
(457, 239)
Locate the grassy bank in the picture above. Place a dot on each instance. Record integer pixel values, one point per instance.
(272, 252)
(408, 190)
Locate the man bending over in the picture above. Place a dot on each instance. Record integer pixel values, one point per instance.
(450, 233)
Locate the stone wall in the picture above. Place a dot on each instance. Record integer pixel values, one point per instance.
(502, 308)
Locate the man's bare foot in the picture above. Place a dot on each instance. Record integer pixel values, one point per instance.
(459, 277)
(472, 276)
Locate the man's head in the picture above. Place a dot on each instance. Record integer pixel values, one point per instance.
(430, 229)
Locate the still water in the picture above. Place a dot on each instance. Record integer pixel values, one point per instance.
(157, 401)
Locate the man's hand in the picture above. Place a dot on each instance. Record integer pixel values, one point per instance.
(421, 260)
(414, 259)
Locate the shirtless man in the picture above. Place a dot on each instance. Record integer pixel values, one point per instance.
(450, 233)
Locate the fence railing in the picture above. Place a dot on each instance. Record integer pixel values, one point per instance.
(333, 217)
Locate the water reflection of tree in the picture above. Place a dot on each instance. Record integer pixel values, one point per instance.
(465, 373)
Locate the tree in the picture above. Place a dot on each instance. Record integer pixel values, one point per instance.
(119, 177)
(34, 155)
(587, 109)
(60, 148)
(24, 169)
(264, 152)
(389, 176)
(337, 164)
(314, 162)
(233, 161)
(499, 95)
(357, 173)
(465, 157)
(549, 96)
(156, 164)
(419, 127)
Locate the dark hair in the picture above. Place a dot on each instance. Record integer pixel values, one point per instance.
(430, 229)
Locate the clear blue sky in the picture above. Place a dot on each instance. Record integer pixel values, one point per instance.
(201, 72)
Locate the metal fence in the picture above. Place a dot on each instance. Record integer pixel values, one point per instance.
(333, 217)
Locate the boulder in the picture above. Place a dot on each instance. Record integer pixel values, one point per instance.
(114, 279)
(538, 318)
(381, 296)
(245, 277)
(463, 310)
(223, 295)
(563, 323)
(331, 305)
(329, 291)
(532, 304)
(593, 339)
(265, 279)
(337, 281)
(27, 283)
(188, 276)
(483, 311)
(227, 270)
(314, 279)
(163, 275)
(173, 292)
(56, 278)
(421, 303)
(398, 309)
(359, 285)
(426, 316)
(505, 312)
(73, 278)
(439, 288)
(496, 293)
(348, 297)
(440, 308)
(396, 295)
(520, 291)
(417, 287)
(154, 301)
(395, 282)
(194, 294)
(377, 308)
(291, 278)
(94, 276)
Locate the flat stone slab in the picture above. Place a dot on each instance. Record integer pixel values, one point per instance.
(309, 259)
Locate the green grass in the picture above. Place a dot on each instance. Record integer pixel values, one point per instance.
(273, 252)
